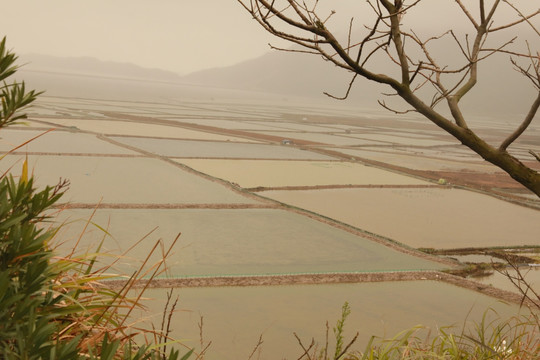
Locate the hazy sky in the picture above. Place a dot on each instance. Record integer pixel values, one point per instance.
(178, 35)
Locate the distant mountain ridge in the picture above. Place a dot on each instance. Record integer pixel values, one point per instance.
(274, 72)
(500, 89)
(285, 73)
(94, 67)
(498, 92)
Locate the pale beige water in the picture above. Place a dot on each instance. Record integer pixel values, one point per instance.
(235, 317)
(253, 173)
(248, 241)
(125, 180)
(428, 218)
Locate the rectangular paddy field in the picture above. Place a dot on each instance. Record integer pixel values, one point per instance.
(217, 242)
(424, 218)
(324, 139)
(132, 128)
(275, 173)
(209, 149)
(126, 180)
(58, 142)
(418, 162)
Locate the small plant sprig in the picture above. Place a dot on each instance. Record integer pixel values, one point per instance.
(14, 97)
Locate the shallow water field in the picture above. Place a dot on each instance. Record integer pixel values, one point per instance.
(209, 149)
(58, 141)
(126, 180)
(233, 125)
(400, 140)
(305, 127)
(235, 317)
(326, 139)
(457, 152)
(424, 218)
(389, 156)
(269, 173)
(118, 127)
(240, 242)
(531, 275)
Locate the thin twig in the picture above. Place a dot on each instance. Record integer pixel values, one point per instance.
(306, 351)
(259, 343)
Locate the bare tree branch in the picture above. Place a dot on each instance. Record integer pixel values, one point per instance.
(306, 350)
(346, 93)
(524, 125)
(298, 22)
(524, 18)
(468, 14)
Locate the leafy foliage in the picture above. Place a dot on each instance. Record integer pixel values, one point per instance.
(14, 96)
(52, 307)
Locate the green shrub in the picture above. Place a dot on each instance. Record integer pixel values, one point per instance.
(52, 307)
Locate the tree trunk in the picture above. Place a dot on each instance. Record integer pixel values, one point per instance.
(516, 169)
(501, 158)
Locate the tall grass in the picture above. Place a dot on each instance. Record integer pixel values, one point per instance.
(491, 338)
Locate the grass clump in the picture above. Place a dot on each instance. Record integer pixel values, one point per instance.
(492, 338)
